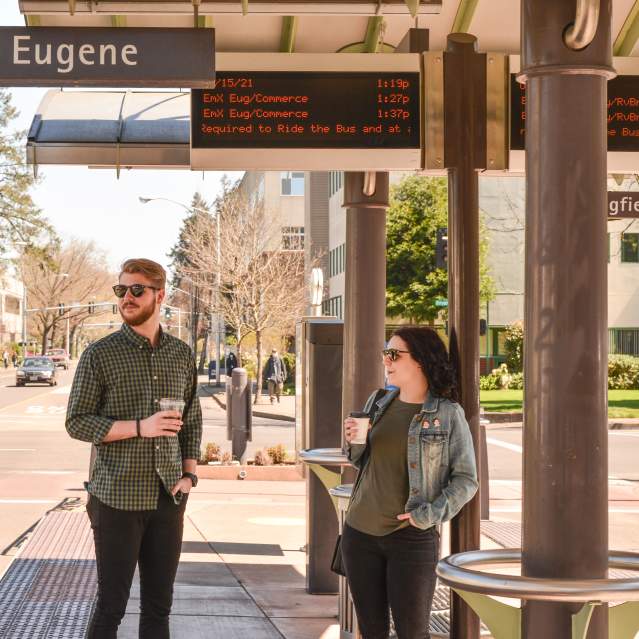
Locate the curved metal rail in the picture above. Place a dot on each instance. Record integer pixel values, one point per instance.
(582, 31)
(460, 572)
(324, 456)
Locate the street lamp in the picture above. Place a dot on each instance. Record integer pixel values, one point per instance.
(218, 349)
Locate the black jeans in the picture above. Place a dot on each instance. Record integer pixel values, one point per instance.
(151, 539)
(396, 571)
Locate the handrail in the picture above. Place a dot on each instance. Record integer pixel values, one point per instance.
(582, 31)
(455, 571)
(324, 456)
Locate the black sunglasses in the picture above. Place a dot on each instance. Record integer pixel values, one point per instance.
(136, 289)
(392, 353)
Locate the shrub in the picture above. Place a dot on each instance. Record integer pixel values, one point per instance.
(514, 347)
(289, 362)
(227, 458)
(211, 452)
(516, 381)
(623, 372)
(489, 382)
(262, 458)
(277, 453)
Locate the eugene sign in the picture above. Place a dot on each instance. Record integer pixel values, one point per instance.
(107, 57)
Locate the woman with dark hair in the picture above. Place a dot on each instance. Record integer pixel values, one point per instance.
(416, 470)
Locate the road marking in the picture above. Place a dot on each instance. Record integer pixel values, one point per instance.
(62, 390)
(497, 442)
(24, 401)
(49, 410)
(29, 501)
(44, 472)
(17, 450)
(618, 434)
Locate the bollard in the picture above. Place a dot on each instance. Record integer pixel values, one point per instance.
(239, 416)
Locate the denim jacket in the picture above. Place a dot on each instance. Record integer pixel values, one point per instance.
(442, 474)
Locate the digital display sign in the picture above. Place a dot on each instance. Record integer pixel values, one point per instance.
(623, 114)
(299, 110)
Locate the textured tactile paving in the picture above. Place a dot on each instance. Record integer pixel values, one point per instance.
(505, 533)
(49, 589)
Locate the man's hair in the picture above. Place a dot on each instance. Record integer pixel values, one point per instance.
(150, 269)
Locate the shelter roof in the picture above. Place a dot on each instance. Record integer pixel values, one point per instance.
(319, 25)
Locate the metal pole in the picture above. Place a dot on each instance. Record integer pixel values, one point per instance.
(464, 154)
(565, 473)
(66, 337)
(24, 318)
(365, 291)
(219, 318)
(179, 323)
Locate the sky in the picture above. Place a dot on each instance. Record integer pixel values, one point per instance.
(95, 205)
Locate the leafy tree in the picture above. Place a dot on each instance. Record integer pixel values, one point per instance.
(514, 347)
(419, 206)
(20, 219)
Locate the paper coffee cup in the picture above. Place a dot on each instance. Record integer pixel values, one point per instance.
(361, 429)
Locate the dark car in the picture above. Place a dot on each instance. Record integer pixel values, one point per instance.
(36, 370)
(60, 357)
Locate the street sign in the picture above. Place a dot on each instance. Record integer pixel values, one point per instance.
(309, 111)
(623, 204)
(107, 57)
(441, 303)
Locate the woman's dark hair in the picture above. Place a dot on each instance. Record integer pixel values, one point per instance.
(428, 350)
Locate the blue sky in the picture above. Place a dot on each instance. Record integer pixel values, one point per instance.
(95, 205)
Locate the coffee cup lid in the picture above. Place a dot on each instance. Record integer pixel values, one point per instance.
(357, 413)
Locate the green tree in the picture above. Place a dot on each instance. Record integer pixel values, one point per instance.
(419, 206)
(20, 219)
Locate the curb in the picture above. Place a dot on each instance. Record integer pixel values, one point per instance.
(257, 413)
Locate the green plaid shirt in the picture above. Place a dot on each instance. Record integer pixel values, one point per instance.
(122, 377)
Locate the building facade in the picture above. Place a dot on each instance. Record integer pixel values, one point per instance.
(11, 297)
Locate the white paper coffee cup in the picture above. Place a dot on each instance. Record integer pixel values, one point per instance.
(361, 429)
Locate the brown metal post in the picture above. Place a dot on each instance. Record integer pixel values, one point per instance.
(565, 492)
(464, 154)
(365, 291)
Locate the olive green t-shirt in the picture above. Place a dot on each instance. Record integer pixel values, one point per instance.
(382, 492)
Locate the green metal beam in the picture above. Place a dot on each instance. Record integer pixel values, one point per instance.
(629, 34)
(118, 21)
(33, 21)
(289, 31)
(465, 14)
(372, 40)
(205, 22)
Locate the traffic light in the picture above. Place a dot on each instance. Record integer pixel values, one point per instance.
(167, 312)
(60, 309)
(91, 308)
(441, 248)
(114, 309)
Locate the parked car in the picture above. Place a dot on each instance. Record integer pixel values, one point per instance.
(59, 356)
(36, 370)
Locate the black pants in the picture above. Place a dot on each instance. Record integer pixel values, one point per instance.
(396, 571)
(151, 539)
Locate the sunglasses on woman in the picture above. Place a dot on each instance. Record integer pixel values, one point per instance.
(136, 289)
(392, 353)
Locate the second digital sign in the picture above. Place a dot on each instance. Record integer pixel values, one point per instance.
(308, 110)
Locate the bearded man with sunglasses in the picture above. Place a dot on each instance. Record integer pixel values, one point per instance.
(146, 458)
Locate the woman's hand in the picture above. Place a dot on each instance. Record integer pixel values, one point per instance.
(350, 429)
(405, 516)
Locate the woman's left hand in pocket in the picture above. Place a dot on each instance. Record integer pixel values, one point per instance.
(405, 516)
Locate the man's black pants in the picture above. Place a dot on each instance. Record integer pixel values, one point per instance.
(151, 539)
(396, 571)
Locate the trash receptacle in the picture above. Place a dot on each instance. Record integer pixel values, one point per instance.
(212, 371)
(347, 618)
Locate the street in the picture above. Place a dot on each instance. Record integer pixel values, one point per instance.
(40, 465)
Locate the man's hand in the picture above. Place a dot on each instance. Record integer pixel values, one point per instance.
(405, 516)
(164, 423)
(184, 486)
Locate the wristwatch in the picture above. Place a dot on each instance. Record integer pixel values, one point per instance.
(192, 477)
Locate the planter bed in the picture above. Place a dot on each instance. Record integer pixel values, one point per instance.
(284, 472)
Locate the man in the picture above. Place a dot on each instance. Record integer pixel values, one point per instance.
(231, 363)
(146, 458)
(275, 374)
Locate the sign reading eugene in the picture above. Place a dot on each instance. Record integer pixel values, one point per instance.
(107, 57)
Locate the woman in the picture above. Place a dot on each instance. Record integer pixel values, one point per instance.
(416, 470)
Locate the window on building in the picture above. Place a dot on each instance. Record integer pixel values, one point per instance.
(335, 179)
(293, 238)
(12, 305)
(292, 183)
(630, 247)
(498, 340)
(623, 341)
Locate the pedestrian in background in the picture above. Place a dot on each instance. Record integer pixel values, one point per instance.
(146, 457)
(5, 358)
(275, 374)
(231, 363)
(14, 359)
(416, 470)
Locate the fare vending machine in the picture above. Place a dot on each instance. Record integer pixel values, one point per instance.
(318, 424)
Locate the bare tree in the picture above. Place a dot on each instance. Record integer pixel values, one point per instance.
(59, 276)
(257, 285)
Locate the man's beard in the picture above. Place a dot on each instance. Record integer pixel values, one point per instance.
(143, 314)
